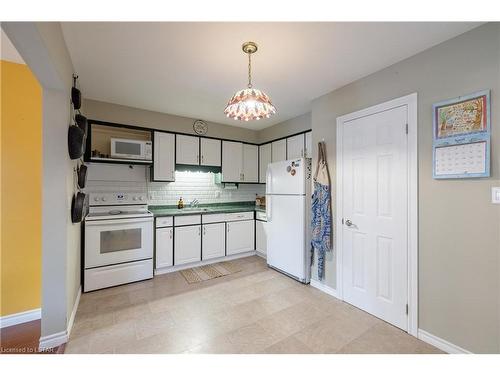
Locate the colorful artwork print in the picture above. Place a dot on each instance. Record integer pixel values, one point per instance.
(455, 119)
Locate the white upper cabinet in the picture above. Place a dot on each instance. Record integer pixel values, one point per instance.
(264, 160)
(308, 148)
(250, 163)
(232, 161)
(295, 147)
(164, 157)
(279, 150)
(210, 152)
(187, 150)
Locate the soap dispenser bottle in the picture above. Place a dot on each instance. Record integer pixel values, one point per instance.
(180, 204)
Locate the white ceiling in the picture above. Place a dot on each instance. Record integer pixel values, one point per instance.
(8, 51)
(192, 69)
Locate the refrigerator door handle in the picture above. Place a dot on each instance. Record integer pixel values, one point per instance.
(269, 198)
(269, 179)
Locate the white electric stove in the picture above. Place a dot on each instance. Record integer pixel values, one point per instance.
(118, 240)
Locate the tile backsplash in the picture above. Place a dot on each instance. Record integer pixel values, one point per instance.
(201, 186)
(188, 185)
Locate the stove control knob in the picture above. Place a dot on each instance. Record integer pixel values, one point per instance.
(103, 199)
(96, 199)
(141, 198)
(135, 198)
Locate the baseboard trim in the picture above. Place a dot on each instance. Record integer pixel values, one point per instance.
(52, 341)
(73, 312)
(19, 318)
(161, 271)
(324, 288)
(440, 343)
(261, 254)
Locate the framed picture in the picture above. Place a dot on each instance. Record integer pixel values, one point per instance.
(461, 137)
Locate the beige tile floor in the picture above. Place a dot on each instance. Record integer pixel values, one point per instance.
(257, 310)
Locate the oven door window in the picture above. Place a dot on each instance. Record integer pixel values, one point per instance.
(120, 240)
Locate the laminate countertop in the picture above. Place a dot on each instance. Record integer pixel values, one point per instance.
(220, 208)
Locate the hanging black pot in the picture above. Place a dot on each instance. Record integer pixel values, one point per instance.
(82, 176)
(81, 121)
(79, 207)
(75, 142)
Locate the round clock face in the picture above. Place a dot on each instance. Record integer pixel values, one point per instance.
(200, 127)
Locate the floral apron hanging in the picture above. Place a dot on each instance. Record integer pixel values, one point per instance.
(321, 210)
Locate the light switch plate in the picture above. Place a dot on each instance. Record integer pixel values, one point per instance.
(495, 195)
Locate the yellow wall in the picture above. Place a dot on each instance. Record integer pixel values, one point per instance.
(21, 192)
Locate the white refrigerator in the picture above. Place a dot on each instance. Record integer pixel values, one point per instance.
(288, 209)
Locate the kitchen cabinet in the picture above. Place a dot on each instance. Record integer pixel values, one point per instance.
(210, 152)
(240, 236)
(295, 147)
(264, 160)
(278, 149)
(164, 157)
(187, 149)
(232, 154)
(261, 237)
(250, 163)
(213, 241)
(187, 244)
(164, 247)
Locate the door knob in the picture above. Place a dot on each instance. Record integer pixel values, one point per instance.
(349, 223)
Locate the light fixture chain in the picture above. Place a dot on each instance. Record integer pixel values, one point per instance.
(249, 70)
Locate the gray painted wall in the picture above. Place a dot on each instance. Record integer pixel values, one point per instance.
(459, 237)
(285, 128)
(110, 112)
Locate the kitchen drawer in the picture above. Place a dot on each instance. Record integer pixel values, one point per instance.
(237, 216)
(187, 220)
(213, 218)
(104, 277)
(162, 222)
(260, 216)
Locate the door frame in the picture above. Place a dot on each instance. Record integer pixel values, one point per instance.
(410, 101)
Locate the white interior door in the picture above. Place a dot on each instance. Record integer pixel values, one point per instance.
(375, 214)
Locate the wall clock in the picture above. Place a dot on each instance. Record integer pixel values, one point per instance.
(200, 127)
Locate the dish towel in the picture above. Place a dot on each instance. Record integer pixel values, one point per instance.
(321, 210)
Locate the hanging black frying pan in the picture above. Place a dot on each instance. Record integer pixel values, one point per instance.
(79, 207)
(75, 142)
(81, 121)
(82, 176)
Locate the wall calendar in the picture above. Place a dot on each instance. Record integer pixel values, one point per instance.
(461, 137)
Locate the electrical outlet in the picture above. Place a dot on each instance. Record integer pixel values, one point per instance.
(495, 195)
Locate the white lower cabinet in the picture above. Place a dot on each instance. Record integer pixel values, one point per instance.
(187, 244)
(213, 241)
(240, 236)
(261, 236)
(164, 247)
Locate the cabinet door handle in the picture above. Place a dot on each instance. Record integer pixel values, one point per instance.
(199, 231)
(202, 158)
(171, 233)
(227, 227)
(204, 231)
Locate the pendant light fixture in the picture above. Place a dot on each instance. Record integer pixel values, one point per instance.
(250, 103)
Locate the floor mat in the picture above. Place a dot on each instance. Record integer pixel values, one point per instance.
(210, 271)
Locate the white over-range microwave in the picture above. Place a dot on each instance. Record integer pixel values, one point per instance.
(131, 149)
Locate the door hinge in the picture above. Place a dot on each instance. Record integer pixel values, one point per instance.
(406, 309)
(406, 128)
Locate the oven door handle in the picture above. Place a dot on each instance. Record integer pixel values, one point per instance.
(119, 221)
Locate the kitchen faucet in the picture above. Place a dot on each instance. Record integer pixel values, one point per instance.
(194, 203)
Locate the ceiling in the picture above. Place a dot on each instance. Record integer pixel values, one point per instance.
(192, 69)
